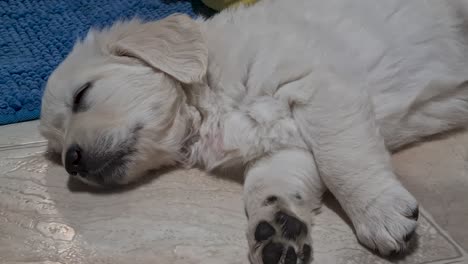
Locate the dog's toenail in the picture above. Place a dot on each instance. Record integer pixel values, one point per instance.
(272, 253)
(415, 214)
(298, 196)
(290, 225)
(306, 253)
(271, 199)
(264, 231)
(409, 236)
(291, 257)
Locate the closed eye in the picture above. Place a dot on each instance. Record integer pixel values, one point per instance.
(79, 96)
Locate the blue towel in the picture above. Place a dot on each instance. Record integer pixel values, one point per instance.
(36, 35)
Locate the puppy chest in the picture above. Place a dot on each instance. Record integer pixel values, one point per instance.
(261, 125)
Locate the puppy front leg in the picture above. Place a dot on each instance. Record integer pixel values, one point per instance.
(281, 194)
(339, 126)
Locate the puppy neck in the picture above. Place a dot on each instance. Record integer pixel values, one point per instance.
(206, 148)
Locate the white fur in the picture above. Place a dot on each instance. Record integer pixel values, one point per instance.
(277, 87)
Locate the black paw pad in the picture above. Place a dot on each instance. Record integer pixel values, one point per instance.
(272, 253)
(306, 253)
(270, 200)
(290, 225)
(291, 257)
(264, 231)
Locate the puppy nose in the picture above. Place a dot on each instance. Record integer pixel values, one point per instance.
(73, 160)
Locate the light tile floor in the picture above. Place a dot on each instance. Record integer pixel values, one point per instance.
(436, 172)
(191, 217)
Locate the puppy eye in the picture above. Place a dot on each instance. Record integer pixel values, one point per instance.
(78, 98)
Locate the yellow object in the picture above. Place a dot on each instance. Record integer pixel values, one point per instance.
(221, 4)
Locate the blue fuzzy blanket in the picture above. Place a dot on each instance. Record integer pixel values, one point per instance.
(36, 35)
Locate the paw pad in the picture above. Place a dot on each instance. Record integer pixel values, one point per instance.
(264, 231)
(284, 239)
(306, 253)
(290, 225)
(291, 257)
(272, 253)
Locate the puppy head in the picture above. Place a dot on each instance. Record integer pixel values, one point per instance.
(115, 107)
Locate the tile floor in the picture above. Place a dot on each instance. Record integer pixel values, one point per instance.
(191, 217)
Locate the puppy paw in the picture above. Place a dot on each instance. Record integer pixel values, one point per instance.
(388, 223)
(277, 235)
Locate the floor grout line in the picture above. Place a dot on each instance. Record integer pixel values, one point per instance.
(24, 145)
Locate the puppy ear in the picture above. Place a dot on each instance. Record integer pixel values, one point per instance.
(174, 45)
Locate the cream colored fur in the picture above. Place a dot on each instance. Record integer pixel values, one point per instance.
(304, 95)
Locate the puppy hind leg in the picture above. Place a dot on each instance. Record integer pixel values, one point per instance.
(281, 194)
(445, 110)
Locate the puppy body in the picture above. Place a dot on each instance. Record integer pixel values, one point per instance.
(305, 96)
(409, 58)
(300, 74)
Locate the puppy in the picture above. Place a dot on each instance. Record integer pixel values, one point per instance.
(305, 96)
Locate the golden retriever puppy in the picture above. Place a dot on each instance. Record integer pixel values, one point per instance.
(305, 96)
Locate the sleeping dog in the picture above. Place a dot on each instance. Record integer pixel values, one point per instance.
(304, 97)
